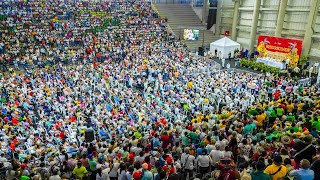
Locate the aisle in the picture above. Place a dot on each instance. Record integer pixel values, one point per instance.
(232, 65)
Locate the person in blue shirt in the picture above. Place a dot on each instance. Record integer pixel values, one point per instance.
(304, 173)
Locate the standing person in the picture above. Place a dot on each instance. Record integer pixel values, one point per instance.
(223, 62)
(276, 170)
(204, 161)
(187, 163)
(80, 171)
(304, 173)
(258, 173)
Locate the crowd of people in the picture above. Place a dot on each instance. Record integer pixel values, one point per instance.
(106, 92)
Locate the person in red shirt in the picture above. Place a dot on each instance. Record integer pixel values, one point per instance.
(62, 135)
(276, 95)
(190, 127)
(15, 121)
(165, 140)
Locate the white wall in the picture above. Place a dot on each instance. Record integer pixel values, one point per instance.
(294, 22)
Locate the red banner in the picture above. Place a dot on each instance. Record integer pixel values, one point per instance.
(280, 49)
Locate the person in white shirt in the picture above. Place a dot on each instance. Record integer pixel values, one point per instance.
(204, 162)
(216, 154)
(223, 62)
(188, 163)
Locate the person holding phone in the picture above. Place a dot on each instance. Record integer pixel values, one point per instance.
(229, 171)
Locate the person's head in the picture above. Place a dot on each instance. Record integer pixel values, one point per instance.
(277, 160)
(287, 161)
(79, 164)
(305, 164)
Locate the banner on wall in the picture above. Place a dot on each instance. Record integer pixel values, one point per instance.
(280, 49)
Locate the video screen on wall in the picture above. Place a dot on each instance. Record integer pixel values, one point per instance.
(190, 34)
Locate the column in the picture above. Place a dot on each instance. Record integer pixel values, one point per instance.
(253, 33)
(307, 40)
(281, 14)
(218, 18)
(204, 11)
(235, 20)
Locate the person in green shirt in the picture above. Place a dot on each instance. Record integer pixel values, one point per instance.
(253, 112)
(137, 134)
(290, 117)
(249, 128)
(316, 123)
(193, 135)
(279, 111)
(185, 140)
(92, 163)
(258, 174)
(272, 112)
(80, 171)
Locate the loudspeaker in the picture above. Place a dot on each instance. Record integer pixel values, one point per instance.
(89, 135)
(201, 51)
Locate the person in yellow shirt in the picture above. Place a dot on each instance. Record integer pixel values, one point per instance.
(290, 106)
(222, 124)
(6, 126)
(80, 171)
(276, 170)
(190, 85)
(300, 105)
(260, 119)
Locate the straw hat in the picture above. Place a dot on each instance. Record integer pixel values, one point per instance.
(285, 139)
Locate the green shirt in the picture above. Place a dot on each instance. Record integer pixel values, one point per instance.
(273, 113)
(280, 111)
(249, 128)
(79, 172)
(259, 175)
(290, 118)
(267, 83)
(185, 141)
(193, 136)
(137, 135)
(295, 129)
(24, 178)
(253, 112)
(92, 165)
(316, 124)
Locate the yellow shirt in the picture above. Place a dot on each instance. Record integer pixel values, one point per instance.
(222, 126)
(260, 119)
(6, 126)
(190, 85)
(274, 168)
(79, 172)
(290, 108)
(228, 114)
(300, 105)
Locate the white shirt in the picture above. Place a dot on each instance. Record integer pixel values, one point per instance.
(216, 155)
(187, 161)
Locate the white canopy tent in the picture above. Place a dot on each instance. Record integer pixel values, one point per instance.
(224, 46)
